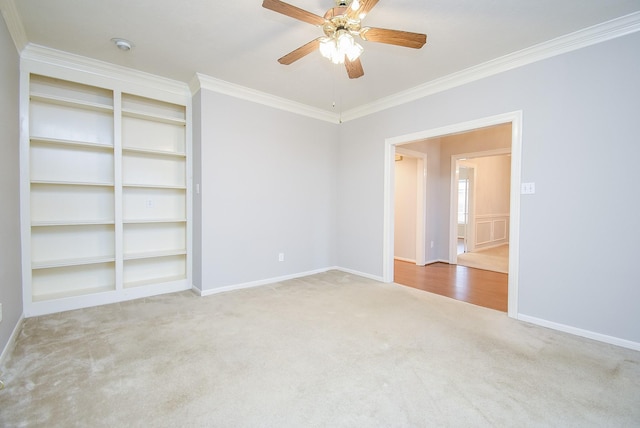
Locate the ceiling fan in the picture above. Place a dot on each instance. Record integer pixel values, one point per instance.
(339, 25)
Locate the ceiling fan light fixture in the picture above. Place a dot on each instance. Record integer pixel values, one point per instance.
(354, 52)
(340, 25)
(327, 47)
(344, 41)
(341, 45)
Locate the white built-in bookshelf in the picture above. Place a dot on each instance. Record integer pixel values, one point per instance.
(153, 191)
(107, 195)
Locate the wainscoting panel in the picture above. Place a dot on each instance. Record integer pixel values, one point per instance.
(491, 230)
(483, 232)
(499, 230)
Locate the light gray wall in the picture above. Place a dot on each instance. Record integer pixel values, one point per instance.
(10, 260)
(268, 185)
(580, 147)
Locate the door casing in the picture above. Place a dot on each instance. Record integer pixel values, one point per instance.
(515, 118)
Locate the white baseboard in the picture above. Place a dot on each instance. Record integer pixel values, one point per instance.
(430, 262)
(494, 244)
(267, 281)
(403, 259)
(362, 274)
(580, 332)
(258, 283)
(12, 341)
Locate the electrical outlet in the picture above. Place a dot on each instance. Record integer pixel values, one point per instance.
(280, 257)
(149, 203)
(431, 244)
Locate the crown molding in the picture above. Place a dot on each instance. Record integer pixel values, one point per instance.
(43, 56)
(39, 58)
(589, 36)
(202, 81)
(14, 24)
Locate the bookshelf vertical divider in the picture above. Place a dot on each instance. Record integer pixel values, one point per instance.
(117, 149)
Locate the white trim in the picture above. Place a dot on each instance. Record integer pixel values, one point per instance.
(202, 81)
(358, 273)
(488, 247)
(515, 118)
(432, 261)
(455, 129)
(64, 65)
(489, 216)
(586, 37)
(11, 343)
(257, 283)
(454, 177)
(252, 284)
(52, 306)
(404, 259)
(25, 192)
(580, 332)
(14, 24)
(388, 216)
(189, 191)
(118, 196)
(514, 215)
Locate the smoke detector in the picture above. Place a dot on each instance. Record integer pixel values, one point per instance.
(122, 44)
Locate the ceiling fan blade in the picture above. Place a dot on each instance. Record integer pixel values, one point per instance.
(394, 37)
(293, 12)
(302, 51)
(360, 12)
(354, 68)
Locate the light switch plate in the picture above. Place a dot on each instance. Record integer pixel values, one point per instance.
(528, 188)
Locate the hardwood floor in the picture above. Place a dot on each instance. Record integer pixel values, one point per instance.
(476, 286)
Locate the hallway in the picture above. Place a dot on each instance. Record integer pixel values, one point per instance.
(475, 286)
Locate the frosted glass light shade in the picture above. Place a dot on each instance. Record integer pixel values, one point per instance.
(340, 46)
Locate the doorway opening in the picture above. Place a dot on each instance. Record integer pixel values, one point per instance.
(465, 180)
(410, 206)
(479, 217)
(436, 243)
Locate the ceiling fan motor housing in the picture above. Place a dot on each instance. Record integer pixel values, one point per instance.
(337, 20)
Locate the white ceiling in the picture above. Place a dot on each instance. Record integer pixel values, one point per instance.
(239, 41)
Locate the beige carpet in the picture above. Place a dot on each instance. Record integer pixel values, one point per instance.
(495, 259)
(329, 350)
